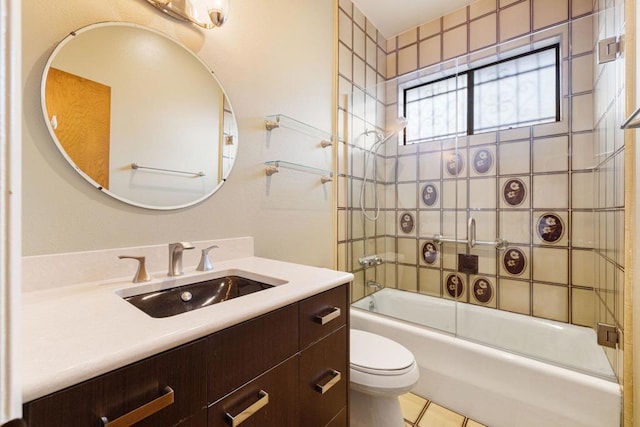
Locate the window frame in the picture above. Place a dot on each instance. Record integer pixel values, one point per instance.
(469, 74)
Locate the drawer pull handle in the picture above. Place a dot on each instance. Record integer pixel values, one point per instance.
(322, 389)
(247, 413)
(143, 411)
(333, 314)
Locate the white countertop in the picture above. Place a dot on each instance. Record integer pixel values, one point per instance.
(74, 333)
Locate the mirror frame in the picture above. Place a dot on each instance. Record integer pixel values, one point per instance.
(71, 36)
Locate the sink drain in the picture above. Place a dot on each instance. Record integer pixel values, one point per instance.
(186, 296)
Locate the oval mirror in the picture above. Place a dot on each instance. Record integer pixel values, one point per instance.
(139, 116)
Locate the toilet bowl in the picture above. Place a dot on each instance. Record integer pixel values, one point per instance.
(380, 370)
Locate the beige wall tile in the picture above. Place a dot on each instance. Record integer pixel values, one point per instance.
(515, 226)
(392, 44)
(359, 18)
(582, 195)
(481, 7)
(407, 38)
(549, 12)
(550, 191)
(359, 42)
(430, 28)
(504, 3)
(551, 265)
(514, 21)
(551, 154)
(514, 296)
(391, 65)
(582, 74)
(430, 51)
(582, 230)
(407, 278)
(345, 28)
(582, 151)
(582, 268)
(483, 32)
(582, 36)
(582, 112)
(430, 281)
(347, 6)
(551, 302)
(580, 7)
(514, 158)
(345, 67)
(454, 18)
(407, 59)
(454, 42)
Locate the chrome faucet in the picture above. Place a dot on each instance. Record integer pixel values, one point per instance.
(372, 284)
(175, 257)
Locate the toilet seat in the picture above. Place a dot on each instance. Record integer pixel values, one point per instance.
(378, 355)
(379, 365)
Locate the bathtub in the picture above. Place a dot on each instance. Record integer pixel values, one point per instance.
(496, 387)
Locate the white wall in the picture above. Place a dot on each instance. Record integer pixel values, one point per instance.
(272, 56)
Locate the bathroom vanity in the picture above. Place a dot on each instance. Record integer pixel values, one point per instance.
(278, 357)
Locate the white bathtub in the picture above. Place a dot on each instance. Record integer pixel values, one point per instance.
(495, 387)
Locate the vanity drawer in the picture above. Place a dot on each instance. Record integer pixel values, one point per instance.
(268, 401)
(239, 354)
(174, 381)
(324, 380)
(322, 314)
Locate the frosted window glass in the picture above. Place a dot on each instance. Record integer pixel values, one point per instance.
(513, 93)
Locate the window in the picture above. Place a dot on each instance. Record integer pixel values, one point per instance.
(515, 92)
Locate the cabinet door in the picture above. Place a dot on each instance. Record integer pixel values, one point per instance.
(322, 314)
(268, 401)
(324, 379)
(239, 354)
(125, 390)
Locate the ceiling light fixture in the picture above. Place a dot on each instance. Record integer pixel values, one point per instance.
(203, 13)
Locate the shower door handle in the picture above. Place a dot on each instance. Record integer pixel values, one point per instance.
(471, 233)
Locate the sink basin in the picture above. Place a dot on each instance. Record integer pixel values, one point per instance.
(169, 302)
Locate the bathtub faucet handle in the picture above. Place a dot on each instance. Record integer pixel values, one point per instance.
(370, 261)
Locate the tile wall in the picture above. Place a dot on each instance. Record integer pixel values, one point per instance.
(609, 274)
(565, 227)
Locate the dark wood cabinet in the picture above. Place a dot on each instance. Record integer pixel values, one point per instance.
(269, 400)
(174, 380)
(286, 368)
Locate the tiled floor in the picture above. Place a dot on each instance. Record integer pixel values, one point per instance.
(419, 412)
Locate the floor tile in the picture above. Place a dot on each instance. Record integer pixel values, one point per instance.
(412, 406)
(438, 416)
(471, 423)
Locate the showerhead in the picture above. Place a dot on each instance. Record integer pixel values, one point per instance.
(396, 126)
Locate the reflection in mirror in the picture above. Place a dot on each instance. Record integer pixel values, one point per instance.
(139, 116)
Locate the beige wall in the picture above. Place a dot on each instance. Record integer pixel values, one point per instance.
(272, 57)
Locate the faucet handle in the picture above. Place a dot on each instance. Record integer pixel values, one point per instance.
(205, 262)
(141, 274)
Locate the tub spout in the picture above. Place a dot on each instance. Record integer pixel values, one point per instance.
(371, 284)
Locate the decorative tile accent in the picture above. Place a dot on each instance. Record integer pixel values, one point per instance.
(430, 195)
(514, 261)
(430, 253)
(514, 192)
(454, 285)
(407, 223)
(483, 290)
(550, 228)
(454, 164)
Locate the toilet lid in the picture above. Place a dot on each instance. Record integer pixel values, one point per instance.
(374, 353)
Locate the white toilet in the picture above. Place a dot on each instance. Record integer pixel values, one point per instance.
(381, 370)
